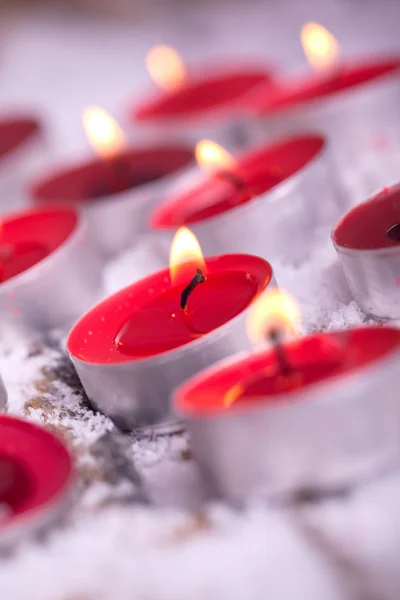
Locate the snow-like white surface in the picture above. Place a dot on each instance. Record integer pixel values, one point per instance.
(141, 527)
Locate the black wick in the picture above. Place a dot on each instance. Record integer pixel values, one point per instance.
(235, 180)
(198, 278)
(275, 336)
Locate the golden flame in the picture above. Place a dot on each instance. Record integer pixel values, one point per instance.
(273, 310)
(185, 257)
(319, 45)
(103, 132)
(210, 156)
(166, 68)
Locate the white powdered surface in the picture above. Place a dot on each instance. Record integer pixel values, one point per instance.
(141, 527)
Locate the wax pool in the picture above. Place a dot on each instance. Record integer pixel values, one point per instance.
(256, 379)
(145, 319)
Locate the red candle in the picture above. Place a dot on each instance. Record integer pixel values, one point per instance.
(145, 319)
(254, 173)
(191, 99)
(326, 421)
(135, 347)
(367, 242)
(117, 190)
(36, 477)
(28, 238)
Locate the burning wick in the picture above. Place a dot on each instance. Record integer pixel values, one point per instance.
(275, 337)
(198, 278)
(233, 178)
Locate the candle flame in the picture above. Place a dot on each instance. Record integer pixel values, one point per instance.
(210, 156)
(166, 68)
(273, 310)
(103, 132)
(319, 45)
(185, 257)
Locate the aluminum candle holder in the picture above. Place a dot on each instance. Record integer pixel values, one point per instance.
(3, 396)
(116, 218)
(134, 387)
(36, 479)
(356, 107)
(367, 241)
(50, 271)
(337, 432)
(23, 151)
(297, 193)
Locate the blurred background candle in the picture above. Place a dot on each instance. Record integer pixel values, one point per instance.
(354, 102)
(117, 190)
(196, 103)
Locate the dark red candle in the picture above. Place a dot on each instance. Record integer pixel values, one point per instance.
(28, 238)
(344, 77)
(256, 379)
(255, 173)
(145, 319)
(36, 475)
(100, 177)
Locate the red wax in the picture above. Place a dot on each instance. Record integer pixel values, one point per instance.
(16, 131)
(284, 94)
(201, 95)
(35, 467)
(29, 237)
(259, 170)
(145, 319)
(368, 225)
(99, 177)
(256, 379)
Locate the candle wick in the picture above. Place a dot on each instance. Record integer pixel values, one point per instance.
(275, 337)
(198, 278)
(233, 178)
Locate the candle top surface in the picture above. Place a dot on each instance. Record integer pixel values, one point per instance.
(94, 179)
(28, 237)
(202, 94)
(16, 131)
(145, 319)
(256, 172)
(255, 378)
(314, 86)
(371, 225)
(34, 467)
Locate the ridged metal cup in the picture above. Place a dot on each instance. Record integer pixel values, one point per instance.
(373, 273)
(54, 292)
(283, 222)
(361, 122)
(325, 437)
(137, 394)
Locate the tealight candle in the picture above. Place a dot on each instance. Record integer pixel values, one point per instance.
(22, 154)
(36, 479)
(199, 104)
(135, 347)
(317, 413)
(354, 103)
(270, 201)
(49, 272)
(367, 241)
(117, 190)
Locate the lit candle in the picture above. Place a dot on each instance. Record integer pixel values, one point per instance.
(36, 479)
(23, 153)
(353, 102)
(313, 413)
(117, 190)
(135, 347)
(198, 103)
(270, 201)
(367, 241)
(49, 272)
